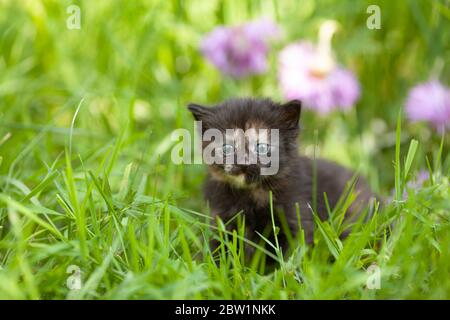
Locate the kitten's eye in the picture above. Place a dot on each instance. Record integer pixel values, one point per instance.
(227, 149)
(262, 148)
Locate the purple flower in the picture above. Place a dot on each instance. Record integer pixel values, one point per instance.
(240, 50)
(309, 73)
(430, 102)
(415, 184)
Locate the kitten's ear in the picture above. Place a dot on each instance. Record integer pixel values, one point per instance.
(291, 113)
(198, 111)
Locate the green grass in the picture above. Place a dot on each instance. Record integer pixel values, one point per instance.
(86, 178)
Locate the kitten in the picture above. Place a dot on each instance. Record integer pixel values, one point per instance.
(231, 188)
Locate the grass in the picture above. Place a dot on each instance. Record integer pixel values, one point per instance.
(86, 181)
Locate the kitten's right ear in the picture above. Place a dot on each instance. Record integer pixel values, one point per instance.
(198, 111)
(291, 111)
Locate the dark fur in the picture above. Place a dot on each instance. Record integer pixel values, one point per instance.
(294, 181)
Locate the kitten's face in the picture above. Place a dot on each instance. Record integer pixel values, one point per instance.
(249, 141)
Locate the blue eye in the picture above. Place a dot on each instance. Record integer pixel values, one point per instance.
(262, 148)
(227, 149)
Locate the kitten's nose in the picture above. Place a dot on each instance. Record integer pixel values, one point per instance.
(237, 170)
(244, 168)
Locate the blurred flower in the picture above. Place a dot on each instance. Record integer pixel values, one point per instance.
(430, 102)
(413, 186)
(416, 183)
(240, 50)
(309, 72)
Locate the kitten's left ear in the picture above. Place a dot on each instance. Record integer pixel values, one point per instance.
(198, 111)
(291, 113)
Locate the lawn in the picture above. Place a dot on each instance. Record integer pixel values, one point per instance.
(92, 207)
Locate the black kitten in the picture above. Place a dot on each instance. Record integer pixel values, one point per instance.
(235, 186)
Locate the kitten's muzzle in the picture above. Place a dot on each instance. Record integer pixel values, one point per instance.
(244, 169)
(250, 172)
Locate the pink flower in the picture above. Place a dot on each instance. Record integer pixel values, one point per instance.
(309, 73)
(430, 102)
(240, 50)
